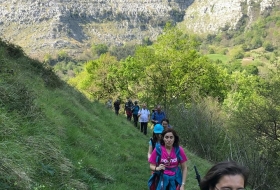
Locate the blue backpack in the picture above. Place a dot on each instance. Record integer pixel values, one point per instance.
(135, 109)
(156, 180)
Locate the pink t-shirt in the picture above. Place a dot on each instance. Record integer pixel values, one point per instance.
(169, 161)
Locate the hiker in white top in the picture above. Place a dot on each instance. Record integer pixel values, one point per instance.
(144, 118)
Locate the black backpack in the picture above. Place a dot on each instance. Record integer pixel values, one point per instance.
(153, 143)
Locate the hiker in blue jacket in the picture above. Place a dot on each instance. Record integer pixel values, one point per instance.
(158, 115)
(135, 110)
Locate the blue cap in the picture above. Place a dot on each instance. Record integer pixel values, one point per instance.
(158, 128)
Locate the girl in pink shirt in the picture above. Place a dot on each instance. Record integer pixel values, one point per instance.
(169, 163)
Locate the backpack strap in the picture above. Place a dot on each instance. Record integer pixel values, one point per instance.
(158, 149)
(177, 151)
(153, 144)
(178, 155)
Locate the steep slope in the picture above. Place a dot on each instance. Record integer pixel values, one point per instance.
(52, 137)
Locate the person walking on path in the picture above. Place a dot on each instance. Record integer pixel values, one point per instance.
(109, 104)
(158, 115)
(117, 104)
(173, 176)
(127, 108)
(155, 140)
(135, 111)
(144, 118)
(165, 123)
(227, 175)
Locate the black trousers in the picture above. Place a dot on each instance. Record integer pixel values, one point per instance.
(135, 119)
(128, 117)
(144, 127)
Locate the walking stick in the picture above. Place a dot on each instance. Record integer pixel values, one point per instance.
(197, 177)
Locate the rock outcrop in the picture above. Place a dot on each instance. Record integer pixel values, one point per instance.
(208, 16)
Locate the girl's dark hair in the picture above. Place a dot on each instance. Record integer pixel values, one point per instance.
(155, 137)
(221, 169)
(176, 137)
(167, 120)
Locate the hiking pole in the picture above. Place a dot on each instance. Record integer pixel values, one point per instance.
(161, 179)
(197, 177)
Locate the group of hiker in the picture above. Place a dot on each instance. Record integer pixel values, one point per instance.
(140, 115)
(167, 159)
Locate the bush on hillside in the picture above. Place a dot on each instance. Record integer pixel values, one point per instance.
(211, 51)
(204, 128)
(251, 69)
(15, 97)
(12, 50)
(195, 122)
(268, 46)
(99, 49)
(257, 121)
(122, 52)
(47, 73)
(236, 53)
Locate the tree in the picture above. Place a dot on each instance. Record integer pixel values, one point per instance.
(97, 80)
(62, 56)
(252, 69)
(99, 49)
(146, 41)
(237, 53)
(268, 46)
(175, 69)
(258, 116)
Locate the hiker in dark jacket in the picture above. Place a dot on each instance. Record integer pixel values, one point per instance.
(117, 104)
(155, 140)
(128, 106)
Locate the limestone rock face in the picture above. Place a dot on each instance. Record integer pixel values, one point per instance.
(44, 26)
(208, 16)
(49, 26)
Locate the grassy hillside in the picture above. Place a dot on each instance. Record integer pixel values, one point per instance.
(52, 137)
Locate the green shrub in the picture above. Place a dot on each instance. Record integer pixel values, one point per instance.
(252, 69)
(99, 49)
(268, 46)
(211, 51)
(12, 50)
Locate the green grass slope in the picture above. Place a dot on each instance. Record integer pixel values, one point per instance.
(52, 137)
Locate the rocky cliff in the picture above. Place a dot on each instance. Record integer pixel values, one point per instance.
(209, 16)
(47, 26)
